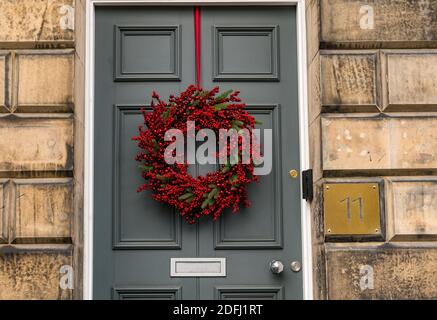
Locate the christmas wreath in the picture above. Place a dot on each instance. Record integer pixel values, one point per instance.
(209, 195)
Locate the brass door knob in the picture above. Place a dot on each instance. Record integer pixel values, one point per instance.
(293, 173)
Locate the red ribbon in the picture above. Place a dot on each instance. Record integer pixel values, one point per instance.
(197, 42)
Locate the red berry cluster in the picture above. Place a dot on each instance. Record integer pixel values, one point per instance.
(206, 195)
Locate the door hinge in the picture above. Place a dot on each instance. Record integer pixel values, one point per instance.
(307, 185)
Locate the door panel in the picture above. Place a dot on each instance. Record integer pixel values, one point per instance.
(163, 47)
(260, 228)
(132, 227)
(249, 293)
(134, 236)
(254, 50)
(141, 49)
(245, 52)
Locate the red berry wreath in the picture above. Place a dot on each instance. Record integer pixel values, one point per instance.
(208, 195)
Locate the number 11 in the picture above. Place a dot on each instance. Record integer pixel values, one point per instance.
(348, 207)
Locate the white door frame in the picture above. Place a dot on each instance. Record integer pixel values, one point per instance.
(90, 6)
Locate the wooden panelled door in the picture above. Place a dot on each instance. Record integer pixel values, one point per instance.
(140, 49)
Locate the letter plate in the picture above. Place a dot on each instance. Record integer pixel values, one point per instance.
(198, 267)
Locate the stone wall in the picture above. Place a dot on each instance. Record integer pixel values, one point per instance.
(38, 226)
(373, 94)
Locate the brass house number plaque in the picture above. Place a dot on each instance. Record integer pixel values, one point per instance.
(352, 209)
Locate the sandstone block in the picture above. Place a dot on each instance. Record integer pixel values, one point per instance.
(315, 148)
(34, 274)
(4, 211)
(319, 272)
(370, 23)
(36, 21)
(349, 80)
(413, 141)
(314, 103)
(36, 143)
(354, 143)
(412, 208)
(366, 142)
(411, 80)
(45, 81)
(313, 28)
(367, 272)
(43, 210)
(5, 84)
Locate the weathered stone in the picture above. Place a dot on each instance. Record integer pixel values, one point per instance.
(315, 148)
(314, 103)
(412, 208)
(355, 143)
(38, 71)
(79, 145)
(317, 221)
(43, 210)
(413, 142)
(36, 21)
(33, 274)
(313, 28)
(80, 24)
(3, 81)
(5, 88)
(361, 143)
(32, 143)
(349, 80)
(367, 272)
(4, 211)
(411, 80)
(317, 241)
(319, 272)
(391, 22)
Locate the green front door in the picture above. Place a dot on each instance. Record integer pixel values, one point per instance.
(136, 240)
